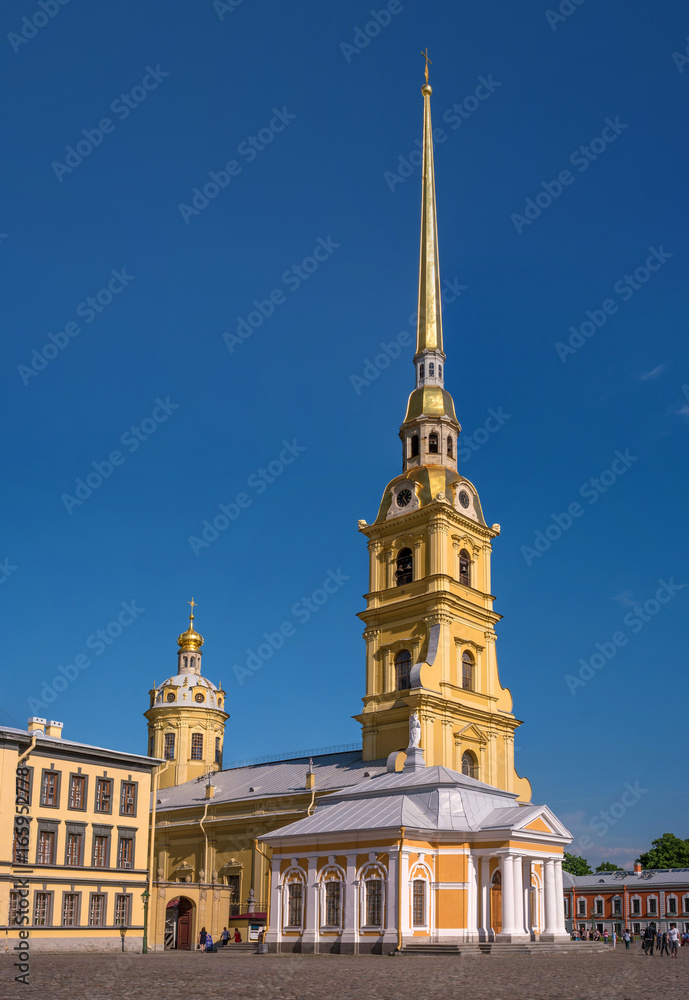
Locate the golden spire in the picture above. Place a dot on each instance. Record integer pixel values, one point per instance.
(190, 640)
(429, 336)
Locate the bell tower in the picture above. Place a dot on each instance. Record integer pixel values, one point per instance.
(430, 624)
(186, 717)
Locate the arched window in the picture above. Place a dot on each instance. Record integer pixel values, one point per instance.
(419, 902)
(374, 902)
(193, 661)
(421, 370)
(469, 764)
(295, 903)
(464, 568)
(403, 670)
(197, 746)
(467, 671)
(431, 370)
(433, 443)
(414, 445)
(449, 446)
(186, 661)
(405, 567)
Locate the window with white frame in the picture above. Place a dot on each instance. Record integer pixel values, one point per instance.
(685, 904)
(419, 902)
(374, 902)
(566, 906)
(600, 906)
(636, 905)
(295, 903)
(652, 906)
(581, 907)
(617, 906)
(672, 904)
(333, 903)
(41, 909)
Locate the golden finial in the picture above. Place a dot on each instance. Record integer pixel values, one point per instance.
(425, 55)
(191, 639)
(193, 605)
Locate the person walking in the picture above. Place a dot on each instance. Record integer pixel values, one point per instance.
(237, 936)
(202, 939)
(664, 950)
(224, 937)
(673, 938)
(627, 938)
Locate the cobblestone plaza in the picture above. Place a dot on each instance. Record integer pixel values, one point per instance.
(225, 976)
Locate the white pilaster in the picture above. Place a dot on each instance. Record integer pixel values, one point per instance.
(507, 871)
(309, 941)
(472, 899)
(390, 935)
(350, 927)
(559, 921)
(274, 935)
(518, 895)
(484, 903)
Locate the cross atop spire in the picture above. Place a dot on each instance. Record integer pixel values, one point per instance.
(428, 61)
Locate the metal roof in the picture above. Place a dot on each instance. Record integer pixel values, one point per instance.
(44, 741)
(648, 878)
(332, 771)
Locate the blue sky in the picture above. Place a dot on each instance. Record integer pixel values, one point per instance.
(561, 170)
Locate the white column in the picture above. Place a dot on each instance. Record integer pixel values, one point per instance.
(528, 915)
(309, 941)
(549, 897)
(559, 921)
(506, 867)
(472, 899)
(485, 898)
(350, 927)
(405, 901)
(518, 895)
(390, 935)
(274, 935)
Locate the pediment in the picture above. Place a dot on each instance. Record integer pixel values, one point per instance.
(472, 733)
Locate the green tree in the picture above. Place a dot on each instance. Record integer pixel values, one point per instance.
(607, 866)
(576, 865)
(667, 851)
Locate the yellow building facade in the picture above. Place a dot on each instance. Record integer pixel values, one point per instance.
(74, 829)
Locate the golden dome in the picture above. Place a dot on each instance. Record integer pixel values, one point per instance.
(190, 640)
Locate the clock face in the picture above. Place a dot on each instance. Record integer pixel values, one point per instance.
(403, 498)
(199, 697)
(464, 499)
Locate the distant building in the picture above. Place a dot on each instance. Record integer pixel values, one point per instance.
(74, 827)
(627, 899)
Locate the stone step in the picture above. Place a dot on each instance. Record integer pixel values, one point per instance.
(244, 947)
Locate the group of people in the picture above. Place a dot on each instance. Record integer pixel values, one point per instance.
(206, 940)
(667, 943)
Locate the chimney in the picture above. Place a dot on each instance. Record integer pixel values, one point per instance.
(637, 868)
(36, 724)
(54, 729)
(210, 790)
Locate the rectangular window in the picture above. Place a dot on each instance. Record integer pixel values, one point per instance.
(581, 907)
(151, 746)
(97, 910)
(70, 909)
(128, 799)
(49, 788)
(197, 746)
(419, 903)
(169, 746)
(636, 906)
(672, 905)
(566, 907)
(599, 907)
(74, 841)
(653, 906)
(77, 792)
(103, 795)
(20, 844)
(125, 852)
(333, 895)
(15, 907)
(686, 904)
(41, 909)
(100, 852)
(374, 902)
(46, 847)
(121, 910)
(218, 751)
(295, 899)
(617, 906)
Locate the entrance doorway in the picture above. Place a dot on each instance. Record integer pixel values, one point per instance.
(496, 902)
(178, 924)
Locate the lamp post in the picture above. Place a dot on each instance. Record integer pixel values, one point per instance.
(145, 897)
(123, 931)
